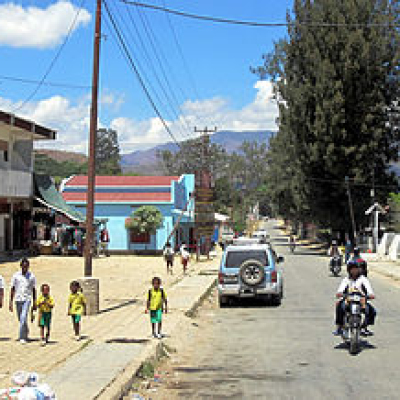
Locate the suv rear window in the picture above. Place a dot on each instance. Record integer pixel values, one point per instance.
(234, 259)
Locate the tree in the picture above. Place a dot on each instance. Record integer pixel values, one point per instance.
(107, 153)
(337, 89)
(146, 219)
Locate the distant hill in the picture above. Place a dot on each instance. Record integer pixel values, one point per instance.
(146, 160)
(61, 156)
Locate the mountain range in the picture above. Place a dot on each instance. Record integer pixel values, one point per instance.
(146, 160)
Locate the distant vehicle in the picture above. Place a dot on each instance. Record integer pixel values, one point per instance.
(250, 271)
(245, 241)
(226, 237)
(260, 233)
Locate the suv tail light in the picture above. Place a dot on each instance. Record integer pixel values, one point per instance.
(221, 278)
(274, 276)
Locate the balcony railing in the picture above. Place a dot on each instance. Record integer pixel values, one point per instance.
(15, 183)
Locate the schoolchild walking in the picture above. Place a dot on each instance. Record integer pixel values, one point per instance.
(76, 307)
(169, 258)
(156, 304)
(45, 305)
(185, 255)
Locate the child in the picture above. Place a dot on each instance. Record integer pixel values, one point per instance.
(45, 304)
(156, 300)
(169, 257)
(185, 257)
(76, 307)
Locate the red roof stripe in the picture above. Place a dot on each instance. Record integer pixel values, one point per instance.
(81, 180)
(118, 197)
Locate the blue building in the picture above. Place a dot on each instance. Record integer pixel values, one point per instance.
(117, 197)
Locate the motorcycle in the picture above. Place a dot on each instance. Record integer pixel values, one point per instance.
(353, 321)
(335, 265)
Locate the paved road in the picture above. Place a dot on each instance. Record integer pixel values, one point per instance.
(257, 352)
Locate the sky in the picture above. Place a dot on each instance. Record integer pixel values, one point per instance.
(198, 73)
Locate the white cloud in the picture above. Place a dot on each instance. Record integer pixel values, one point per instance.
(38, 27)
(261, 114)
(71, 120)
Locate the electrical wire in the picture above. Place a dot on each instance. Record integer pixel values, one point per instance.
(159, 54)
(123, 47)
(141, 45)
(54, 60)
(45, 83)
(254, 23)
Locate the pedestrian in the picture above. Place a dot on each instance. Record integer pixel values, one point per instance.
(185, 255)
(104, 241)
(348, 249)
(45, 304)
(23, 291)
(2, 287)
(169, 257)
(156, 304)
(76, 307)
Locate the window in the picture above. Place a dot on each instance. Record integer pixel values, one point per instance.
(235, 259)
(139, 237)
(3, 151)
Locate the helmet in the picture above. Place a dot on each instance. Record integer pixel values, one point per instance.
(356, 251)
(352, 264)
(334, 242)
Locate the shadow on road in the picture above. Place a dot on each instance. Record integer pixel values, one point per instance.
(127, 341)
(118, 306)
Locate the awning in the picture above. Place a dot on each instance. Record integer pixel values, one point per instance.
(47, 194)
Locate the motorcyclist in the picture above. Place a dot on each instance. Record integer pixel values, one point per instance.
(360, 261)
(355, 281)
(334, 253)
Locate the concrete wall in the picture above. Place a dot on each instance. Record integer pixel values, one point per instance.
(16, 184)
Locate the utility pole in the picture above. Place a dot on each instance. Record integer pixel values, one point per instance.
(92, 146)
(353, 221)
(202, 183)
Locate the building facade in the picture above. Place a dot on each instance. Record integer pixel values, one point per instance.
(117, 197)
(17, 136)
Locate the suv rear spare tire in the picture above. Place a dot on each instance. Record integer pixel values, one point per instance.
(252, 272)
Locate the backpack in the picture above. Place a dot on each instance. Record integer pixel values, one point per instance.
(162, 294)
(169, 255)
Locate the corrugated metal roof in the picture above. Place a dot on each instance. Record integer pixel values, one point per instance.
(119, 197)
(114, 181)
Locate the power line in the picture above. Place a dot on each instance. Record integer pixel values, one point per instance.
(45, 83)
(154, 43)
(254, 23)
(54, 60)
(133, 65)
(168, 105)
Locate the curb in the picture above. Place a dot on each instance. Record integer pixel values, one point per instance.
(122, 383)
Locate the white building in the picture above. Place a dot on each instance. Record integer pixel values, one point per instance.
(16, 178)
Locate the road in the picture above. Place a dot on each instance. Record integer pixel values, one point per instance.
(255, 352)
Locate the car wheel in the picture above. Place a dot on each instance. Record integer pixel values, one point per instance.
(223, 301)
(252, 272)
(277, 300)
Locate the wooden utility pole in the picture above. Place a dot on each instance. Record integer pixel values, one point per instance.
(200, 184)
(92, 147)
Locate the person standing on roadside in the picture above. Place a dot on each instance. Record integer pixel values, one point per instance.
(23, 291)
(169, 257)
(348, 249)
(2, 287)
(104, 241)
(185, 255)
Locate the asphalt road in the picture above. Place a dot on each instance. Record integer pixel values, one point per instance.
(255, 352)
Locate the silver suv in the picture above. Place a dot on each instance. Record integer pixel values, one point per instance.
(250, 270)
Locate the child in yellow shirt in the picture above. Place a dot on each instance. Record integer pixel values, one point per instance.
(45, 304)
(76, 307)
(156, 304)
